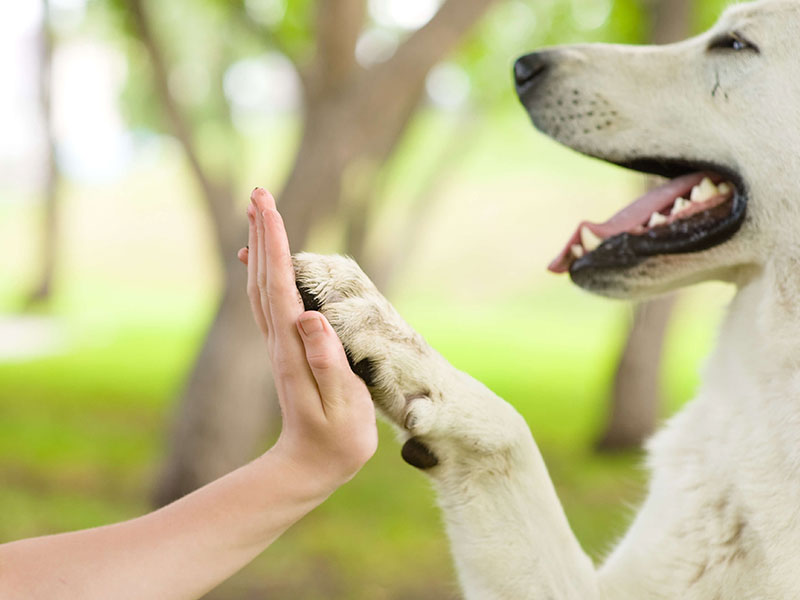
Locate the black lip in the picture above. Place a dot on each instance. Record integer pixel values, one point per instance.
(703, 231)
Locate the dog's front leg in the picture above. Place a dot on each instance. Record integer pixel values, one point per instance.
(509, 535)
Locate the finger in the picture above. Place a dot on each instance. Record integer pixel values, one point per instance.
(285, 304)
(253, 291)
(242, 255)
(326, 358)
(262, 274)
(262, 199)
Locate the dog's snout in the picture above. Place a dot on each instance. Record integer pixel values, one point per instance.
(528, 69)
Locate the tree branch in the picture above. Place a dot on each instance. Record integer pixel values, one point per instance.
(365, 116)
(261, 32)
(218, 196)
(390, 91)
(431, 43)
(339, 24)
(50, 230)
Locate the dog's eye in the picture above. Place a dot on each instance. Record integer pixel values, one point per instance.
(732, 41)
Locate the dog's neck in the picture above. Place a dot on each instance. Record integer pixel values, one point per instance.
(759, 337)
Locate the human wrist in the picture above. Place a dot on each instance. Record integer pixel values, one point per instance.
(310, 480)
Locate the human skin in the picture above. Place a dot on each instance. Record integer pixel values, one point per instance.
(183, 550)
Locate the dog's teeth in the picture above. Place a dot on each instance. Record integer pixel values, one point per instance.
(576, 250)
(656, 219)
(725, 188)
(589, 239)
(703, 191)
(680, 205)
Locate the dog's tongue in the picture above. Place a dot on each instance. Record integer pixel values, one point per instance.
(631, 217)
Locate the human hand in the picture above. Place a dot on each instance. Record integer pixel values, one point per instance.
(329, 429)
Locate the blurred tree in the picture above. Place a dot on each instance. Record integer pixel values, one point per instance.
(224, 408)
(511, 28)
(354, 117)
(184, 54)
(636, 396)
(50, 182)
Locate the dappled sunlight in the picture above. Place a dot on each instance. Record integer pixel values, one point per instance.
(28, 338)
(405, 14)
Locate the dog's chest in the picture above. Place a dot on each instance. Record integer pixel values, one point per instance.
(727, 481)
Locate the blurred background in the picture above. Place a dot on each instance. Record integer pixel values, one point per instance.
(130, 371)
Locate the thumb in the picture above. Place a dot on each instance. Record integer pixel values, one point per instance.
(325, 355)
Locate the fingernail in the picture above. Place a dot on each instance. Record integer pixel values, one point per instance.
(310, 324)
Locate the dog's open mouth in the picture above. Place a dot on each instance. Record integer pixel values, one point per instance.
(689, 213)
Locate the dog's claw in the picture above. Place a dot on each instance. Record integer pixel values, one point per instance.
(310, 301)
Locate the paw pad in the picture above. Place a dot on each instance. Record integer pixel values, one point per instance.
(418, 455)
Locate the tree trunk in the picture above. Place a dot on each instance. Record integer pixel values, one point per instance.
(671, 20)
(228, 399)
(636, 399)
(227, 404)
(49, 232)
(636, 393)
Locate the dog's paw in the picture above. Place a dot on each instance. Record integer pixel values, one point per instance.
(392, 359)
(439, 410)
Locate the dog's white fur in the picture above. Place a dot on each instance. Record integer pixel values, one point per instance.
(722, 516)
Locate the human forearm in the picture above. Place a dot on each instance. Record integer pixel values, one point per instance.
(177, 552)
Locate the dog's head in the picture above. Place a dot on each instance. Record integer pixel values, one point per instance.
(719, 114)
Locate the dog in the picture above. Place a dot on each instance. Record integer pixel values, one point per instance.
(717, 115)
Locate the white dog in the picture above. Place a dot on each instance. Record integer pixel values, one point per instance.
(720, 114)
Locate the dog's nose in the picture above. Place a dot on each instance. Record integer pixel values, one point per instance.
(529, 68)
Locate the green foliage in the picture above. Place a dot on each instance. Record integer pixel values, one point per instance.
(627, 24)
(708, 11)
(296, 30)
(201, 39)
(516, 27)
(208, 36)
